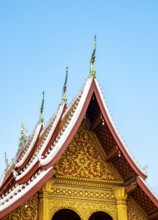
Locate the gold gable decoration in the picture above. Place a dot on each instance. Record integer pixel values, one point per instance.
(85, 158)
(29, 211)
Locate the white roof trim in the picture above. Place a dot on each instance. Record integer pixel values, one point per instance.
(44, 145)
(52, 130)
(24, 189)
(37, 131)
(70, 126)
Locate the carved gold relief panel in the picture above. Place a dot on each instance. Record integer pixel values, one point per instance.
(134, 211)
(54, 189)
(83, 208)
(85, 158)
(27, 212)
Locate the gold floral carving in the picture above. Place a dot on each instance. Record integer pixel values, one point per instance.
(83, 208)
(29, 211)
(134, 211)
(85, 158)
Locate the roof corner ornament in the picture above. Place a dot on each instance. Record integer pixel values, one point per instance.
(41, 118)
(64, 98)
(23, 137)
(6, 162)
(145, 169)
(92, 68)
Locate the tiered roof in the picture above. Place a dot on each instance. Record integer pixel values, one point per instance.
(35, 164)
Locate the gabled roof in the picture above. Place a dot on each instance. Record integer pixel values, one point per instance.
(36, 163)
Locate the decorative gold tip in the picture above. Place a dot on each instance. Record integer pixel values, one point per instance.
(41, 119)
(94, 41)
(64, 98)
(92, 68)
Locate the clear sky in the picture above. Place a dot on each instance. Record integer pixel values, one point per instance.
(38, 39)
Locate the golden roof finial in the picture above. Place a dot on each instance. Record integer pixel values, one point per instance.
(41, 119)
(64, 98)
(92, 68)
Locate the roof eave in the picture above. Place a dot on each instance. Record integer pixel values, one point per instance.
(147, 191)
(114, 132)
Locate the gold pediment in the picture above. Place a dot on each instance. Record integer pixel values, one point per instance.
(85, 158)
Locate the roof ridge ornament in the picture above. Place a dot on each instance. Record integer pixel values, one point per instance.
(6, 161)
(64, 98)
(41, 118)
(23, 137)
(92, 60)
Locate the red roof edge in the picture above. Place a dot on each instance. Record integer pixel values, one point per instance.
(74, 130)
(147, 191)
(108, 120)
(94, 88)
(28, 195)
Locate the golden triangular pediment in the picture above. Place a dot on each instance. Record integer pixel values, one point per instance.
(85, 158)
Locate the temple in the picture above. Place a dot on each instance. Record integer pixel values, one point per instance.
(76, 166)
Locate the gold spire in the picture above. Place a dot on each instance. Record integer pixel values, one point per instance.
(92, 68)
(6, 161)
(41, 119)
(64, 98)
(23, 137)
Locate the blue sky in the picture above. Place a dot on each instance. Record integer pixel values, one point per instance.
(38, 39)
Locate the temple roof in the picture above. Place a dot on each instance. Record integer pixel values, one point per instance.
(34, 165)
